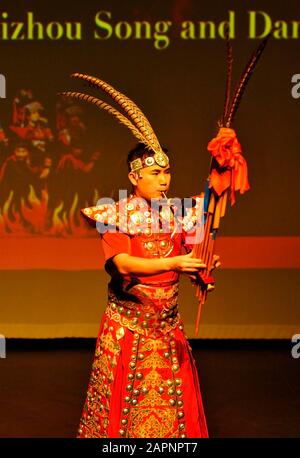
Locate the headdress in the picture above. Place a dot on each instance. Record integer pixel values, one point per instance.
(34, 106)
(147, 160)
(134, 120)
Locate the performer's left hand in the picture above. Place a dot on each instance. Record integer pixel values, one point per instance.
(214, 265)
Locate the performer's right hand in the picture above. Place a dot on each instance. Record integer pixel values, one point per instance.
(186, 263)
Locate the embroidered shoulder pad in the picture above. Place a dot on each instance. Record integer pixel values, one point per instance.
(133, 215)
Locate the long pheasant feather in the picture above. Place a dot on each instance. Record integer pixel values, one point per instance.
(105, 106)
(244, 80)
(229, 61)
(132, 110)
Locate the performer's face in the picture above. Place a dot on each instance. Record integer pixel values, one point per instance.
(151, 182)
(21, 153)
(34, 116)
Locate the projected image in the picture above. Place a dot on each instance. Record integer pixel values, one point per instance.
(47, 172)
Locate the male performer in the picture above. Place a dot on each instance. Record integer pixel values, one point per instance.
(144, 381)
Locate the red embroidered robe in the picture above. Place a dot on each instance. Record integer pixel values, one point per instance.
(144, 382)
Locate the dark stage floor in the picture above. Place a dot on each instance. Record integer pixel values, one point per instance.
(249, 388)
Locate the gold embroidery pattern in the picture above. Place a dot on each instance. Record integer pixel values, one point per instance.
(155, 312)
(152, 379)
(154, 407)
(153, 398)
(153, 423)
(152, 403)
(107, 342)
(95, 416)
(154, 360)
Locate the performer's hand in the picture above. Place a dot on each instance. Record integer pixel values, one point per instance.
(215, 264)
(186, 263)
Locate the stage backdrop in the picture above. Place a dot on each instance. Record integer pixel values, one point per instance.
(57, 156)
